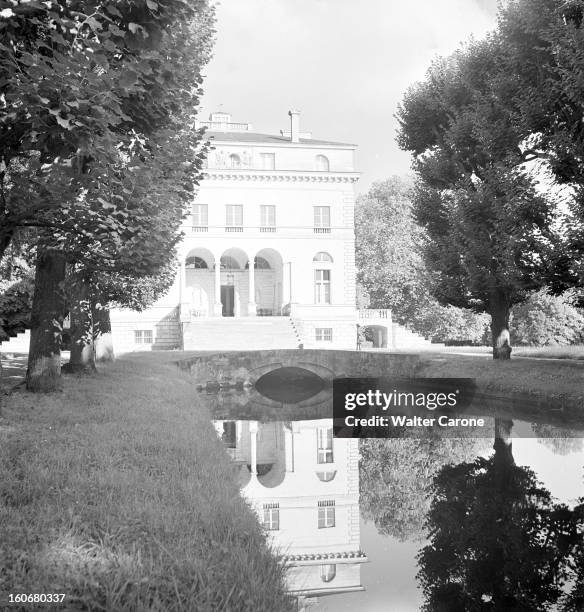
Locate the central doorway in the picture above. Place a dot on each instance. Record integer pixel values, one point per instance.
(227, 300)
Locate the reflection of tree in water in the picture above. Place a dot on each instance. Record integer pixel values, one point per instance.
(497, 539)
(575, 600)
(396, 476)
(559, 440)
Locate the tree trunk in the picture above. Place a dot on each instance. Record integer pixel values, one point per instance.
(82, 351)
(48, 311)
(500, 310)
(503, 443)
(104, 348)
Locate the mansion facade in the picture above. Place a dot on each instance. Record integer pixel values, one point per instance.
(304, 487)
(268, 256)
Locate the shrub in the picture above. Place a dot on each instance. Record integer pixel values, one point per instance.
(451, 325)
(545, 319)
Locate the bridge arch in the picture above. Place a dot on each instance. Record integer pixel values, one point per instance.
(319, 370)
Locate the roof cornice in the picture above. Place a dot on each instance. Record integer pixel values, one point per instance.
(280, 176)
(337, 557)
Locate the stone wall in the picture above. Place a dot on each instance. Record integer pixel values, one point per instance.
(249, 366)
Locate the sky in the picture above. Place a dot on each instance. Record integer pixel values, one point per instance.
(344, 64)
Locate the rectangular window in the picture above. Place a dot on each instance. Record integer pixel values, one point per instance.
(324, 445)
(323, 334)
(268, 161)
(200, 217)
(271, 517)
(326, 514)
(322, 286)
(234, 217)
(143, 336)
(267, 217)
(322, 219)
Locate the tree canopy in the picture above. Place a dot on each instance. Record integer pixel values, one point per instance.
(490, 236)
(497, 539)
(98, 152)
(390, 266)
(396, 480)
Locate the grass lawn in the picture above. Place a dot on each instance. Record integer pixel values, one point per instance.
(574, 351)
(118, 493)
(541, 379)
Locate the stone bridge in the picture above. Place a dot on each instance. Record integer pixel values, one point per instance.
(247, 367)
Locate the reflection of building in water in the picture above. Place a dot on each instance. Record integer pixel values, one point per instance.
(304, 486)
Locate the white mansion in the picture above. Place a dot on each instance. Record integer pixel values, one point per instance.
(304, 486)
(268, 257)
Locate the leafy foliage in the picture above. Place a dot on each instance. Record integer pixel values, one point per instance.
(391, 269)
(452, 325)
(96, 102)
(387, 253)
(545, 320)
(98, 151)
(489, 230)
(396, 478)
(498, 541)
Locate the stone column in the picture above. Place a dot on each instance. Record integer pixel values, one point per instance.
(182, 291)
(251, 305)
(253, 433)
(218, 305)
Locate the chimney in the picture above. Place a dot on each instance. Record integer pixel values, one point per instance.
(294, 125)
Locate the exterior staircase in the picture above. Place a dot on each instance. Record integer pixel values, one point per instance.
(245, 334)
(17, 344)
(405, 339)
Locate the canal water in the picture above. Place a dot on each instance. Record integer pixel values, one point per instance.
(489, 523)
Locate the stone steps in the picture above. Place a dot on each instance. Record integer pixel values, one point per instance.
(404, 338)
(245, 334)
(19, 344)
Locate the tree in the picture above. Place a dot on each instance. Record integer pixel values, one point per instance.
(388, 249)
(453, 325)
(489, 230)
(90, 309)
(390, 265)
(498, 541)
(541, 46)
(545, 319)
(92, 93)
(396, 479)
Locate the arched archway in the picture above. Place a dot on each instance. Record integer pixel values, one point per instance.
(233, 286)
(268, 273)
(198, 282)
(377, 334)
(289, 385)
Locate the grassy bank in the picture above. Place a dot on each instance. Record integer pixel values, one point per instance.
(118, 493)
(561, 381)
(572, 351)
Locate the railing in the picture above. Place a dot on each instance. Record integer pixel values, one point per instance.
(375, 313)
(225, 125)
(254, 228)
